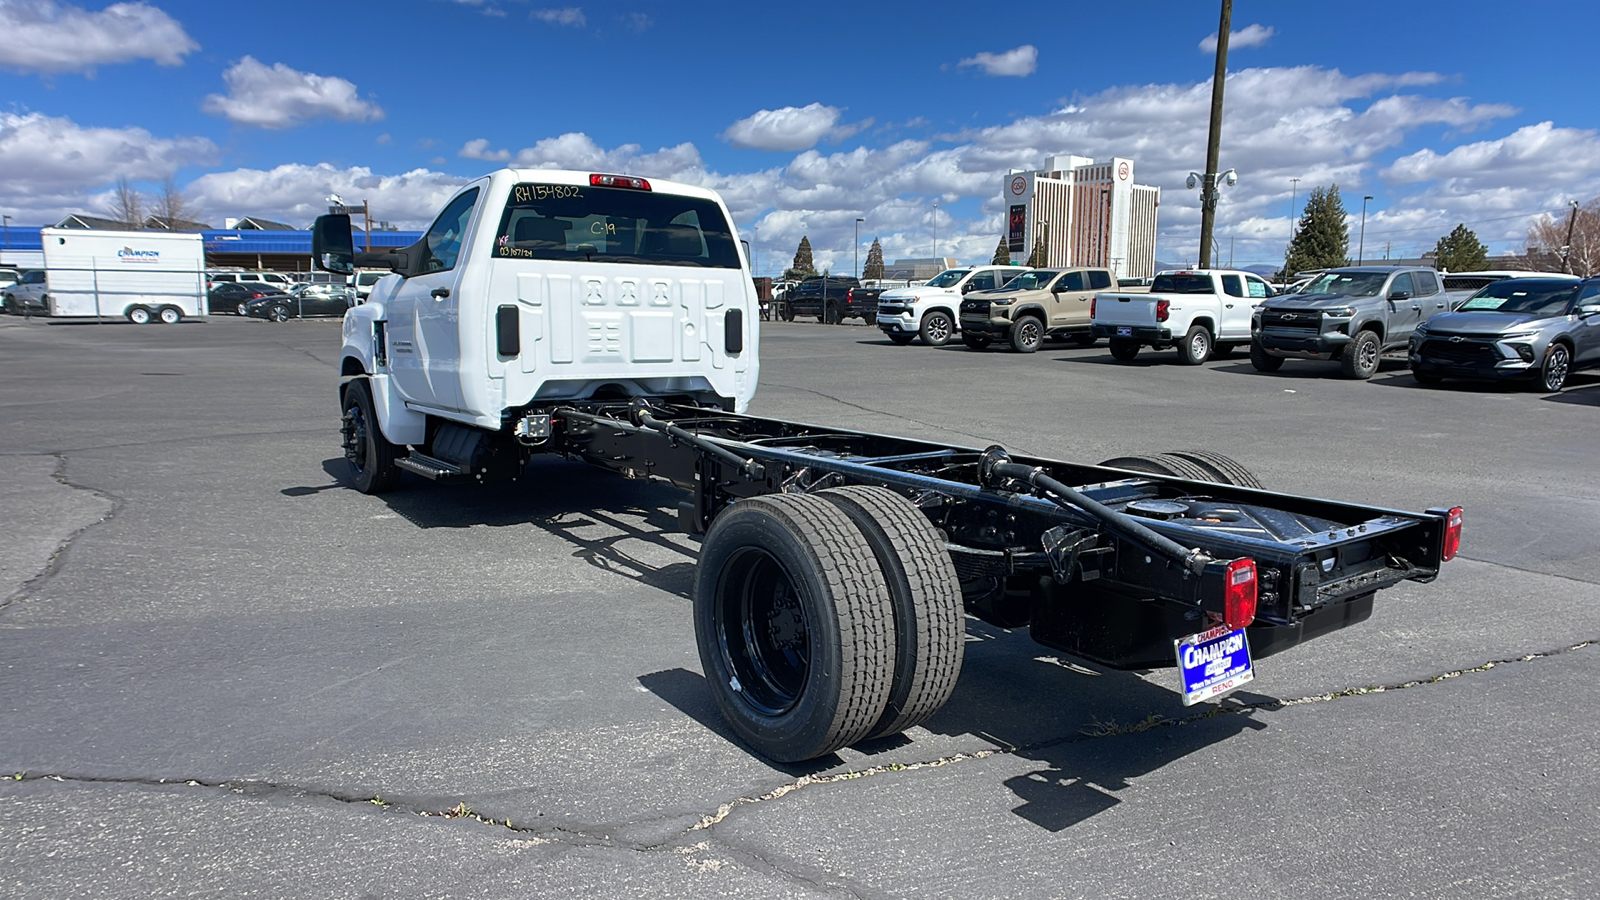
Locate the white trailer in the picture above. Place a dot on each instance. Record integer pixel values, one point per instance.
(143, 276)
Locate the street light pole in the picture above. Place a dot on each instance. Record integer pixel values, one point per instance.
(1294, 187)
(935, 229)
(858, 247)
(1566, 256)
(1361, 246)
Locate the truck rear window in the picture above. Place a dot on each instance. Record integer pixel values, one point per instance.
(614, 225)
(1182, 284)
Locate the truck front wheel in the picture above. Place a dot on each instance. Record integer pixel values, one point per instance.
(370, 454)
(1027, 334)
(1124, 349)
(975, 341)
(1360, 357)
(1262, 360)
(936, 329)
(1195, 348)
(926, 595)
(794, 625)
(900, 340)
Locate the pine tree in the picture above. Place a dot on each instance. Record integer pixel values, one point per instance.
(1037, 257)
(874, 266)
(1323, 240)
(1460, 251)
(803, 267)
(1002, 254)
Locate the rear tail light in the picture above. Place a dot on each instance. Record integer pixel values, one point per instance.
(619, 181)
(1239, 593)
(1092, 302)
(1163, 310)
(850, 296)
(1452, 533)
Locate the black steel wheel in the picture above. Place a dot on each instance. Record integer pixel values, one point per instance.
(1360, 357)
(1124, 349)
(1262, 360)
(900, 339)
(925, 590)
(794, 625)
(1557, 366)
(1195, 348)
(1027, 334)
(937, 329)
(370, 454)
(976, 341)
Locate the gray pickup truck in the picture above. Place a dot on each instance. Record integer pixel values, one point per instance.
(1352, 315)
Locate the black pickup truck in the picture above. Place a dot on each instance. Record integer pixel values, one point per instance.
(832, 300)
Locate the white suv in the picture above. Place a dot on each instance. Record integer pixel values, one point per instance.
(932, 311)
(255, 279)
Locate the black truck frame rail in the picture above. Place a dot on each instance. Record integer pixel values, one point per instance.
(1104, 563)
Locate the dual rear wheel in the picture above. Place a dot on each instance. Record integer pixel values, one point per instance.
(826, 619)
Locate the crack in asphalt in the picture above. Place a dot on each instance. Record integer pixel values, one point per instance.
(58, 556)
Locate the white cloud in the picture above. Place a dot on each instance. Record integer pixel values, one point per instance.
(295, 194)
(790, 128)
(54, 166)
(1018, 63)
(1251, 36)
(281, 97)
(478, 148)
(567, 15)
(44, 36)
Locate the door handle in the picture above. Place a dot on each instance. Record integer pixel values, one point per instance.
(441, 293)
(1228, 305)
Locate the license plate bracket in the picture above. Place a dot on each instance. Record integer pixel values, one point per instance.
(1213, 662)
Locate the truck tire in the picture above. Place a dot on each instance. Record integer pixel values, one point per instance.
(1124, 349)
(1360, 357)
(1222, 351)
(139, 315)
(169, 315)
(1161, 464)
(1195, 348)
(900, 340)
(1027, 334)
(936, 329)
(830, 315)
(975, 341)
(1557, 366)
(794, 625)
(1228, 470)
(1262, 360)
(1084, 339)
(786, 312)
(370, 454)
(925, 592)
(1426, 378)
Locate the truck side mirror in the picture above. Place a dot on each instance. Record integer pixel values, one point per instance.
(1400, 295)
(332, 247)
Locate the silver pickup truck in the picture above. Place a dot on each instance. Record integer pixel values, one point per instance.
(1352, 315)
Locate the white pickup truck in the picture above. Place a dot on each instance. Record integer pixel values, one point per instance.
(932, 311)
(1198, 311)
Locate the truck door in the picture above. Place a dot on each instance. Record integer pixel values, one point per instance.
(1236, 314)
(1586, 331)
(424, 330)
(1404, 314)
(1069, 293)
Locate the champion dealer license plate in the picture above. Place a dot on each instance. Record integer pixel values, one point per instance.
(1124, 330)
(1213, 663)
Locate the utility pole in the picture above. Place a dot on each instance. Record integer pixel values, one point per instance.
(857, 272)
(1294, 187)
(1566, 253)
(1361, 246)
(1208, 190)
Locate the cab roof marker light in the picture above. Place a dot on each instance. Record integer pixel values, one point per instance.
(1239, 593)
(619, 181)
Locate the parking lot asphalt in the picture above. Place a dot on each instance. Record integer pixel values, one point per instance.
(223, 672)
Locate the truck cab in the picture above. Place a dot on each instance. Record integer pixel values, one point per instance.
(931, 311)
(537, 287)
(1351, 315)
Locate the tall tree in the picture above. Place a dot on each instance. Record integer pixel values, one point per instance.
(1569, 242)
(1037, 257)
(1323, 240)
(1460, 251)
(874, 267)
(127, 205)
(1002, 254)
(803, 267)
(169, 206)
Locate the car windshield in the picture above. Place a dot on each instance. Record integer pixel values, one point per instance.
(1029, 281)
(614, 225)
(948, 277)
(1544, 299)
(1347, 284)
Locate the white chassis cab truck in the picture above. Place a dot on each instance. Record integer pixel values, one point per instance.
(612, 319)
(932, 311)
(1200, 312)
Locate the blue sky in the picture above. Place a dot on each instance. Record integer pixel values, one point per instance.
(807, 116)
